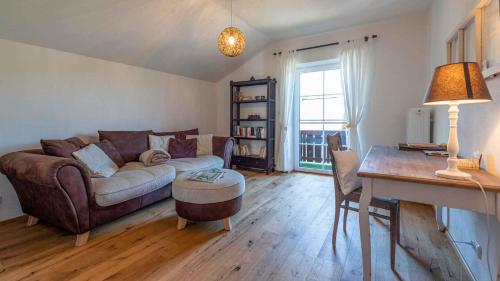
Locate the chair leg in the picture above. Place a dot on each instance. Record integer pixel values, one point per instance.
(31, 221)
(393, 233)
(346, 211)
(336, 223)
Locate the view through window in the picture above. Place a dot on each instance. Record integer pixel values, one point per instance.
(321, 112)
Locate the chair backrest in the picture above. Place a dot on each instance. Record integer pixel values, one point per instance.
(334, 144)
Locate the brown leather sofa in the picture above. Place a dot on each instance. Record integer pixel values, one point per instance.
(59, 190)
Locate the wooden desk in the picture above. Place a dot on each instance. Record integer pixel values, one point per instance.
(409, 175)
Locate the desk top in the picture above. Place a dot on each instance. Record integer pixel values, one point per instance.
(414, 166)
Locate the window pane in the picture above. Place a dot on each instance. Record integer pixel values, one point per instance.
(311, 108)
(332, 82)
(311, 83)
(311, 127)
(334, 107)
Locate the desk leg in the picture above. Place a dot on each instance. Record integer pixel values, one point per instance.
(439, 218)
(364, 227)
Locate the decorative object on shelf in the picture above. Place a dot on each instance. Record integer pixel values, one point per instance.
(253, 117)
(246, 98)
(261, 138)
(231, 41)
(454, 84)
(253, 78)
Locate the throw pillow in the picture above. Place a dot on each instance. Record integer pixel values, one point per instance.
(98, 163)
(347, 165)
(111, 151)
(62, 148)
(179, 148)
(130, 144)
(159, 142)
(203, 144)
(179, 134)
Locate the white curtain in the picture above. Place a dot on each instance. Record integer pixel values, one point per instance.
(357, 70)
(284, 102)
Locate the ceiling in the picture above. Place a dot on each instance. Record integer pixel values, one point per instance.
(179, 36)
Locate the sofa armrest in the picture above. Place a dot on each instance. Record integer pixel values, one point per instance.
(56, 190)
(223, 147)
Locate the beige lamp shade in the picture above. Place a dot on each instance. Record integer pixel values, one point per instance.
(457, 82)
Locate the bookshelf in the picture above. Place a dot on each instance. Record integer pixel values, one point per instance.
(263, 133)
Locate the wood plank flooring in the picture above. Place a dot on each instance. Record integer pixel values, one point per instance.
(283, 232)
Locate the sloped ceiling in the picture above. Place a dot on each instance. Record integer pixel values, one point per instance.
(179, 36)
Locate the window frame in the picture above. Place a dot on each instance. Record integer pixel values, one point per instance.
(306, 68)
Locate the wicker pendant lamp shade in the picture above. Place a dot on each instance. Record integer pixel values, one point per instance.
(231, 41)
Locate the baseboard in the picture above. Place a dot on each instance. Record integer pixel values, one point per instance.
(459, 254)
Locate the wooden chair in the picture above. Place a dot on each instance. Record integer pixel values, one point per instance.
(391, 205)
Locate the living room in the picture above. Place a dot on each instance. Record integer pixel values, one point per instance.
(249, 140)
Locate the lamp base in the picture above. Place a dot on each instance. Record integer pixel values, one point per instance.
(454, 175)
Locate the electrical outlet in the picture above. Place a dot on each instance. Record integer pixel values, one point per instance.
(477, 248)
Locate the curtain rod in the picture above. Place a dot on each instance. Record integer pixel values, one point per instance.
(326, 45)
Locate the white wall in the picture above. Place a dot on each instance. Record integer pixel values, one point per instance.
(479, 130)
(400, 78)
(46, 93)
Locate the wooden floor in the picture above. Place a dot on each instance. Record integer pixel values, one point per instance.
(283, 232)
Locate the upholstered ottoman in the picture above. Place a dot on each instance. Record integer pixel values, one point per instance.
(202, 201)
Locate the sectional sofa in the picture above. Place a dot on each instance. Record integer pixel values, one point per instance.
(61, 192)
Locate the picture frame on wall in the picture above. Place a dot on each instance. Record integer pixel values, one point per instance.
(481, 28)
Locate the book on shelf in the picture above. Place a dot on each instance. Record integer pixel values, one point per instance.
(249, 132)
(241, 150)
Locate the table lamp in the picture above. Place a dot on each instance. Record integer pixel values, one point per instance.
(454, 84)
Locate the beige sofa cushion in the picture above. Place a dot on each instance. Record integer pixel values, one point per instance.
(182, 165)
(131, 181)
(231, 186)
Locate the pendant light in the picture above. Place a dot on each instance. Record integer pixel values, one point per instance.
(231, 41)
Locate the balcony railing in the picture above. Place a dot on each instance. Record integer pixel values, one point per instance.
(313, 148)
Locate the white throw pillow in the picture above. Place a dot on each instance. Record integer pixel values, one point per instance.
(159, 142)
(203, 144)
(99, 164)
(347, 166)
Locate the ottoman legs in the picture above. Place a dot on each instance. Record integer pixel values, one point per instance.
(227, 224)
(181, 223)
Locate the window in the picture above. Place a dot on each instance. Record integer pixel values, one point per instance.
(320, 112)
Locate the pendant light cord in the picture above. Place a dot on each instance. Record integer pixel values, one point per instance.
(231, 13)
